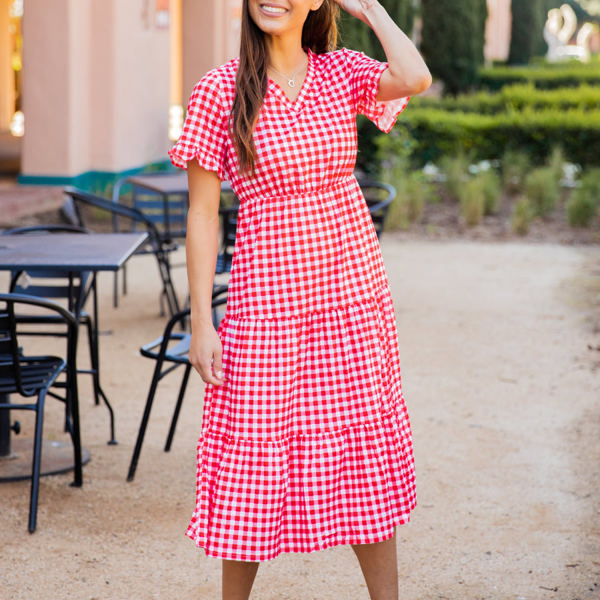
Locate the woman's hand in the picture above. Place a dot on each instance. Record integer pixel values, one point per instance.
(356, 8)
(206, 354)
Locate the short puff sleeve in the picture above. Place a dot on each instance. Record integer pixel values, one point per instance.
(204, 133)
(364, 76)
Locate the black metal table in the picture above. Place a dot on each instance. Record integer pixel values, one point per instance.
(172, 189)
(73, 253)
(166, 183)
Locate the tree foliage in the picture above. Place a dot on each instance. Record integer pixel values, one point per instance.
(453, 40)
(527, 28)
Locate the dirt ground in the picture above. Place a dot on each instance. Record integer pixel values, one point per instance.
(500, 348)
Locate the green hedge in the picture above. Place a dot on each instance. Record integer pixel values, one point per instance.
(438, 132)
(569, 75)
(517, 97)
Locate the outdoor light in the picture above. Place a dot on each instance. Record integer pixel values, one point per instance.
(175, 121)
(17, 124)
(15, 10)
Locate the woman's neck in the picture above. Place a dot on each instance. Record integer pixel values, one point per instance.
(285, 52)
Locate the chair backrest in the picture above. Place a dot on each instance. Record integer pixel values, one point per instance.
(56, 284)
(229, 218)
(10, 349)
(80, 197)
(10, 369)
(169, 214)
(379, 196)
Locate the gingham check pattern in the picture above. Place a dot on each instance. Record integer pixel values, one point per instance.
(308, 443)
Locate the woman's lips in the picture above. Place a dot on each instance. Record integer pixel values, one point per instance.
(272, 10)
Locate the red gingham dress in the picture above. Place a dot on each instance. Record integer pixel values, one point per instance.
(308, 443)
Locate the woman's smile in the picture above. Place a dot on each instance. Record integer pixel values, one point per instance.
(272, 10)
(278, 17)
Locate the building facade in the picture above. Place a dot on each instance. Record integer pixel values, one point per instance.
(97, 78)
(93, 88)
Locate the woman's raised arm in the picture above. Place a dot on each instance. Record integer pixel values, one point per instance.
(407, 74)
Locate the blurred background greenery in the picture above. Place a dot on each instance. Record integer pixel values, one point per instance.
(524, 134)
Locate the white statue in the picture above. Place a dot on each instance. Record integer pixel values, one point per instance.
(558, 31)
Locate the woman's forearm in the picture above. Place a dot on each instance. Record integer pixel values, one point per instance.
(201, 248)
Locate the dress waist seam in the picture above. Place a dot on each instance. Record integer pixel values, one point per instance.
(349, 181)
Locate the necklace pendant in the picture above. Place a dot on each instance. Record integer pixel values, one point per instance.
(292, 83)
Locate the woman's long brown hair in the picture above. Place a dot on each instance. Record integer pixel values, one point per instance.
(319, 34)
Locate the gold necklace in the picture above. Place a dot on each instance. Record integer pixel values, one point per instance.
(291, 81)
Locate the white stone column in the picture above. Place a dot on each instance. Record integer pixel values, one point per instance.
(498, 30)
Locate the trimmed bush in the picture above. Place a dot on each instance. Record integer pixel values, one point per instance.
(556, 164)
(438, 132)
(408, 206)
(582, 206)
(517, 97)
(490, 189)
(542, 190)
(416, 193)
(542, 77)
(522, 217)
(472, 202)
(581, 210)
(515, 167)
(455, 169)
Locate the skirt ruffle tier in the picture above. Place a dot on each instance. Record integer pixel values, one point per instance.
(308, 444)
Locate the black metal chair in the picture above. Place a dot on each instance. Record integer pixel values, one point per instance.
(228, 213)
(33, 376)
(169, 351)
(75, 289)
(229, 216)
(156, 244)
(167, 213)
(379, 196)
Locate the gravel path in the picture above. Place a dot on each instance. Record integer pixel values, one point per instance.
(501, 365)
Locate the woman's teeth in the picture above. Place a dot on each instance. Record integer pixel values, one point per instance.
(276, 10)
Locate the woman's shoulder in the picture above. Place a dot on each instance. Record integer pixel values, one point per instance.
(219, 81)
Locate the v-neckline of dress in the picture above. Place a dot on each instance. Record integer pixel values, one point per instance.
(297, 102)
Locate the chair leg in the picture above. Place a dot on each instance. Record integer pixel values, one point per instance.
(145, 417)
(111, 415)
(168, 290)
(162, 300)
(37, 461)
(73, 408)
(175, 418)
(98, 391)
(93, 346)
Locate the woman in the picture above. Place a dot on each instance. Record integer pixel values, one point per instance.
(305, 438)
